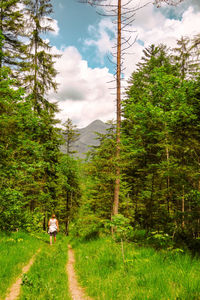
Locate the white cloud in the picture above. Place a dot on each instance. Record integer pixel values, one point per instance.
(103, 37)
(170, 30)
(53, 24)
(83, 93)
(55, 27)
(151, 27)
(46, 21)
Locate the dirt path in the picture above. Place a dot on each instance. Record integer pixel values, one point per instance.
(77, 292)
(14, 291)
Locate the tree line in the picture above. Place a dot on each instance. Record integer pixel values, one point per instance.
(36, 179)
(159, 160)
(160, 179)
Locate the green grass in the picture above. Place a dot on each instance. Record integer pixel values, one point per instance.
(15, 251)
(47, 278)
(147, 274)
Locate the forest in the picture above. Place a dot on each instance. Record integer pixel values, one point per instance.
(159, 161)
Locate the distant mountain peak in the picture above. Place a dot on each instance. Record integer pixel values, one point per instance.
(88, 137)
(97, 123)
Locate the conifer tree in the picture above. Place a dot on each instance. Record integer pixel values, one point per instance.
(70, 134)
(160, 123)
(11, 28)
(70, 190)
(40, 71)
(102, 169)
(39, 79)
(183, 56)
(195, 49)
(169, 2)
(21, 155)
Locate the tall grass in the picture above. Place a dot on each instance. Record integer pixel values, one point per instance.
(47, 279)
(146, 274)
(15, 251)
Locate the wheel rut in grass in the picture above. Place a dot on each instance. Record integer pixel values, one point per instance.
(14, 290)
(76, 291)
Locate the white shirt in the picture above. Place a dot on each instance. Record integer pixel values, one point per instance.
(52, 226)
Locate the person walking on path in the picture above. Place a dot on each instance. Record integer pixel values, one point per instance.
(53, 228)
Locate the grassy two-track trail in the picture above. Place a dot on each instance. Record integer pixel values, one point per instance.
(16, 250)
(48, 274)
(47, 278)
(14, 291)
(93, 269)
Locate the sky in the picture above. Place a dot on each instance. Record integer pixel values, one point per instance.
(85, 40)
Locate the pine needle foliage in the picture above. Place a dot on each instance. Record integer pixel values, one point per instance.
(12, 29)
(39, 68)
(161, 134)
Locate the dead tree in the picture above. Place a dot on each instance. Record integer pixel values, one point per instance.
(169, 2)
(122, 13)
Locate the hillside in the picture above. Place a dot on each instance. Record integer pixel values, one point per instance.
(87, 138)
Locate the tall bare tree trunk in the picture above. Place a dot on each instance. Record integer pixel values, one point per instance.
(117, 182)
(183, 208)
(1, 42)
(168, 180)
(36, 61)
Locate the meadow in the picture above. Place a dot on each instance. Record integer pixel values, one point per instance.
(15, 251)
(143, 273)
(146, 273)
(47, 278)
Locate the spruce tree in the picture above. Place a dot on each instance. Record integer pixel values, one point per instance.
(70, 189)
(183, 57)
(71, 135)
(158, 126)
(21, 156)
(11, 28)
(39, 70)
(195, 49)
(39, 79)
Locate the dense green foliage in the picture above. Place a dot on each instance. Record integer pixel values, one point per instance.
(159, 152)
(70, 134)
(159, 172)
(161, 134)
(35, 176)
(159, 163)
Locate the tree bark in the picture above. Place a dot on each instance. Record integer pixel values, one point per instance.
(117, 181)
(168, 180)
(67, 215)
(183, 208)
(1, 47)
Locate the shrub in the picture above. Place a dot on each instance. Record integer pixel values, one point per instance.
(11, 213)
(138, 235)
(33, 221)
(159, 239)
(122, 227)
(86, 227)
